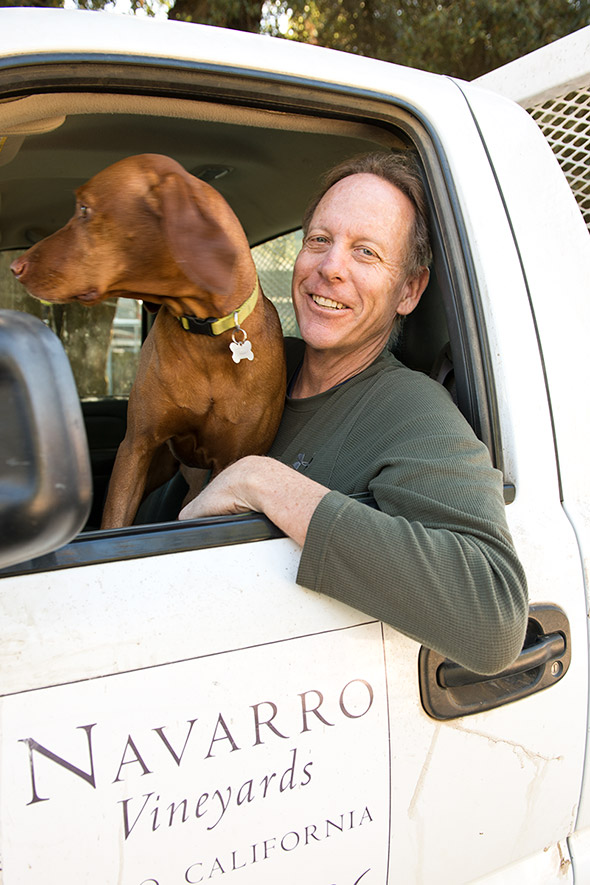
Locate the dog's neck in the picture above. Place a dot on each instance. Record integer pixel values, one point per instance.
(217, 325)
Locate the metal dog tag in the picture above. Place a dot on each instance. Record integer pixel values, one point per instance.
(241, 350)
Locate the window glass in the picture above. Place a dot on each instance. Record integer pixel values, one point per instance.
(274, 262)
(102, 342)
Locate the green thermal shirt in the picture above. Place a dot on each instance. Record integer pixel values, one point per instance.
(435, 560)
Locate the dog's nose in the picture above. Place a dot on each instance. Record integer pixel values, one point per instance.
(18, 266)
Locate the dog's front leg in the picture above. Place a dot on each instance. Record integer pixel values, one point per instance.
(127, 483)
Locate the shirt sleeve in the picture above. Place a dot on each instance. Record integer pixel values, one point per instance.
(435, 560)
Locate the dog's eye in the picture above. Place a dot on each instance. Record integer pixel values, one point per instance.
(84, 211)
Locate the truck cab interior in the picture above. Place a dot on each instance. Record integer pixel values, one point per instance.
(264, 146)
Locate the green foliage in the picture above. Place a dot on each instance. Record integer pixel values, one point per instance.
(37, 3)
(241, 15)
(146, 6)
(462, 38)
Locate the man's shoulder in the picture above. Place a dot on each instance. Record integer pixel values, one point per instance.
(391, 388)
(390, 374)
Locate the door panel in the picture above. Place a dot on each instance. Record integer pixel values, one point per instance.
(308, 738)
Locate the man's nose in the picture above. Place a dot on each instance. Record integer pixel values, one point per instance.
(334, 263)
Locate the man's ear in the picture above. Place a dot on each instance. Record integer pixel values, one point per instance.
(412, 291)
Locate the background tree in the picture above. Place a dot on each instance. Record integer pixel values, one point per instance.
(462, 38)
(36, 3)
(241, 15)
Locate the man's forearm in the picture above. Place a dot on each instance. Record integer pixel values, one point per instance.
(265, 486)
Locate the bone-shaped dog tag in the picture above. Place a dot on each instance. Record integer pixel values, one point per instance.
(241, 350)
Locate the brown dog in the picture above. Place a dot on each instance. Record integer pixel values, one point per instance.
(144, 228)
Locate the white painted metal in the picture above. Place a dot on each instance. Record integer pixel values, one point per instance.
(553, 84)
(545, 73)
(139, 649)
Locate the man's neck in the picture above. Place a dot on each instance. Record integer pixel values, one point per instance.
(321, 370)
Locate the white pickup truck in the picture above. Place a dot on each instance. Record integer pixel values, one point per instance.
(174, 707)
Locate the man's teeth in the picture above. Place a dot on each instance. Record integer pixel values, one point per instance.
(327, 302)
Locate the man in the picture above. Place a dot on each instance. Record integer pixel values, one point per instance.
(436, 560)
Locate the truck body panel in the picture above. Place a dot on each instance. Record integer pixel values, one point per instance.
(176, 715)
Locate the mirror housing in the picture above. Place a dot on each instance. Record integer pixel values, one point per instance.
(45, 474)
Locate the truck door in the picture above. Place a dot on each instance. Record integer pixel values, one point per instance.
(174, 707)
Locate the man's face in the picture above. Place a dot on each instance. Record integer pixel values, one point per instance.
(349, 279)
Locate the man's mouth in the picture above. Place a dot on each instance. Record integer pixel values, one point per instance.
(327, 302)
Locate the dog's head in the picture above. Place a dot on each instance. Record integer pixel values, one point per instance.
(142, 228)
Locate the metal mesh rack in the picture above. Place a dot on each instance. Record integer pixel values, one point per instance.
(565, 122)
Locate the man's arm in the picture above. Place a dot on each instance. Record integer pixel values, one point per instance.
(265, 486)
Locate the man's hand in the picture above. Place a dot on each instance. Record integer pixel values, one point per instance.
(227, 493)
(265, 486)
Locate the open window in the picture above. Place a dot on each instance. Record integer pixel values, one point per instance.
(265, 150)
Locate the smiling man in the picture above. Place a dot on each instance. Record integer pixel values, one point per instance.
(435, 560)
(351, 279)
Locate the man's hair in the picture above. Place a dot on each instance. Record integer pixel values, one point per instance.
(401, 170)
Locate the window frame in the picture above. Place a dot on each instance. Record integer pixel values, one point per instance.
(453, 261)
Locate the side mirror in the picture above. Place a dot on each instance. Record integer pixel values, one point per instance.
(45, 475)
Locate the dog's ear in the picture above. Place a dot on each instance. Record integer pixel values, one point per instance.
(198, 243)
